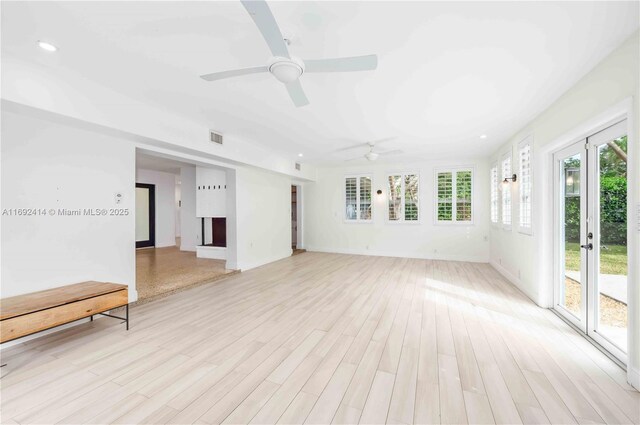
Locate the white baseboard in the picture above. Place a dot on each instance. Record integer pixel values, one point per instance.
(212, 252)
(398, 254)
(515, 281)
(633, 375)
(254, 264)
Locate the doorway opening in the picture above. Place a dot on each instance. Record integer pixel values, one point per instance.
(187, 216)
(294, 217)
(145, 215)
(591, 277)
(296, 220)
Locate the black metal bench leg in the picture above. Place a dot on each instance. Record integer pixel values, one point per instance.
(92, 318)
(127, 308)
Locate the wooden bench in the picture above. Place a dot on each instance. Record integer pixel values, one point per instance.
(31, 313)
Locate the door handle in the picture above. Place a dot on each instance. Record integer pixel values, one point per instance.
(588, 246)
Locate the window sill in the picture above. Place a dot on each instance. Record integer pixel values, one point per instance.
(410, 222)
(454, 223)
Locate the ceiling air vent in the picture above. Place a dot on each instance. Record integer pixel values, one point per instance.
(298, 166)
(215, 137)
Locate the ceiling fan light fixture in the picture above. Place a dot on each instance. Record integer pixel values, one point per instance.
(286, 70)
(47, 46)
(372, 156)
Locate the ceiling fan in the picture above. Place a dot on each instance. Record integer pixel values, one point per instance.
(372, 155)
(286, 68)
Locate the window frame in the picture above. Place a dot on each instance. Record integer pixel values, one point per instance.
(498, 192)
(402, 220)
(525, 230)
(344, 198)
(504, 157)
(454, 192)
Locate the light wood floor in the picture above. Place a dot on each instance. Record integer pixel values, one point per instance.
(324, 338)
(165, 270)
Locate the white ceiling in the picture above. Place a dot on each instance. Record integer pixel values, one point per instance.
(448, 71)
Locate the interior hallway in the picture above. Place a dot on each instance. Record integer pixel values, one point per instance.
(324, 338)
(160, 271)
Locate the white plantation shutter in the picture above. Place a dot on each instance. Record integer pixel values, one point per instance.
(395, 197)
(494, 194)
(404, 192)
(463, 195)
(365, 198)
(454, 190)
(524, 160)
(445, 196)
(506, 191)
(351, 196)
(357, 191)
(411, 199)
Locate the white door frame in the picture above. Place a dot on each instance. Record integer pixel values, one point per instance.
(544, 209)
(593, 142)
(576, 148)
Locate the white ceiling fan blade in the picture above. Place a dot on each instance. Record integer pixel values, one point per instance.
(234, 73)
(297, 93)
(390, 153)
(354, 159)
(354, 63)
(266, 23)
(348, 148)
(383, 140)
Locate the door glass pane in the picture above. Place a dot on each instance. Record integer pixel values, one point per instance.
(142, 214)
(612, 265)
(571, 290)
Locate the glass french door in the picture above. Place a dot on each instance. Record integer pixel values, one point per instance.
(591, 237)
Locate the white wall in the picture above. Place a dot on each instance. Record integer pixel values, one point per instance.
(85, 100)
(188, 222)
(211, 192)
(326, 230)
(51, 166)
(263, 217)
(165, 192)
(528, 260)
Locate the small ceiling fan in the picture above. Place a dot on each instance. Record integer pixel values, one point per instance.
(286, 68)
(372, 155)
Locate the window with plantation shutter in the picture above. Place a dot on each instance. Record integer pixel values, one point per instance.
(364, 208)
(506, 191)
(494, 194)
(525, 187)
(404, 194)
(358, 198)
(454, 188)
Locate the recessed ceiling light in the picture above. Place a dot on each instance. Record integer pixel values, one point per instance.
(47, 46)
(484, 136)
(300, 155)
